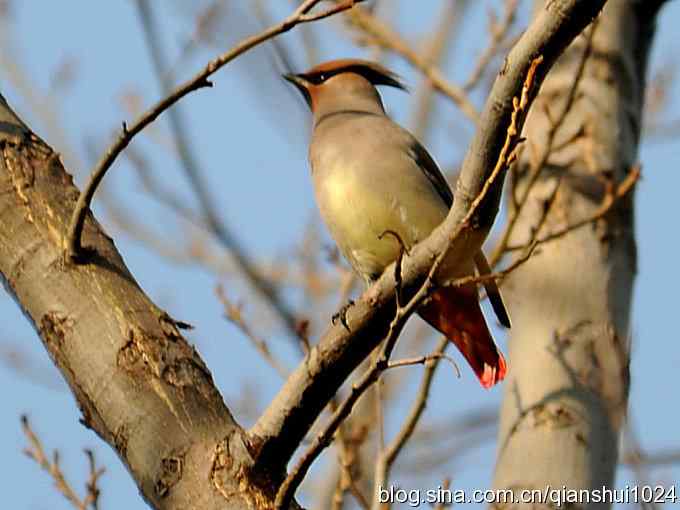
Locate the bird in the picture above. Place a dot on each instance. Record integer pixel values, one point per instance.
(372, 177)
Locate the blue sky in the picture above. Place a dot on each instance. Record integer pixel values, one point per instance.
(250, 138)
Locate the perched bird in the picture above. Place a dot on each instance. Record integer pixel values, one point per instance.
(371, 176)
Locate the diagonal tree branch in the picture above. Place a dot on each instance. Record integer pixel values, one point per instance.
(140, 386)
(310, 387)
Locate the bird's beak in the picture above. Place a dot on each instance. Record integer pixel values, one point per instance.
(301, 84)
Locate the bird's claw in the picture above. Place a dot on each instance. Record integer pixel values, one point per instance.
(341, 315)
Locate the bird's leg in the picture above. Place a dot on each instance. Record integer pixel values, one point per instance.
(341, 315)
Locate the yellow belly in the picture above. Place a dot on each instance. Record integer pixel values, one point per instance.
(359, 213)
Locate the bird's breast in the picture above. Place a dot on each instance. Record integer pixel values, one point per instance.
(363, 210)
(368, 187)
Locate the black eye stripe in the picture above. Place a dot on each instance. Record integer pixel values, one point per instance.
(318, 78)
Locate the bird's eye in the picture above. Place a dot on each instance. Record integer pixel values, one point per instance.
(318, 78)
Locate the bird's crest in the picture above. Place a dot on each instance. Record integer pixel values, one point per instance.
(372, 71)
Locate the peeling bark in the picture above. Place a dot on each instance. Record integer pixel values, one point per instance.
(140, 386)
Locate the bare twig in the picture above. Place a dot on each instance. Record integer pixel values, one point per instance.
(497, 276)
(498, 33)
(349, 442)
(380, 364)
(440, 444)
(455, 426)
(610, 200)
(300, 15)
(379, 401)
(384, 36)
(92, 485)
(233, 313)
(434, 51)
(640, 470)
(190, 164)
(423, 360)
(443, 505)
(347, 457)
(389, 454)
(657, 459)
(36, 452)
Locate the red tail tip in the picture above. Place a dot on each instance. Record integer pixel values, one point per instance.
(493, 374)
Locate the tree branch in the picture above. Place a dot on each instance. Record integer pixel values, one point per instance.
(36, 452)
(310, 387)
(131, 371)
(211, 220)
(381, 363)
(387, 38)
(610, 200)
(74, 248)
(499, 31)
(388, 455)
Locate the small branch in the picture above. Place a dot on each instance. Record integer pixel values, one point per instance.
(233, 313)
(659, 459)
(92, 485)
(348, 455)
(498, 34)
(418, 406)
(423, 360)
(74, 249)
(443, 505)
(341, 6)
(640, 470)
(499, 275)
(381, 363)
(36, 452)
(610, 200)
(389, 454)
(434, 51)
(385, 37)
(209, 217)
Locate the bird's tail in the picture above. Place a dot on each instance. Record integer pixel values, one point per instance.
(456, 313)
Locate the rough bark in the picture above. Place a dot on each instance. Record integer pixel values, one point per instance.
(140, 386)
(566, 395)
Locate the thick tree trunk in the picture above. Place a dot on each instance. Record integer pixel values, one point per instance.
(566, 396)
(140, 386)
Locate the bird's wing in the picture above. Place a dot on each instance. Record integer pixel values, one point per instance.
(428, 166)
(434, 175)
(492, 290)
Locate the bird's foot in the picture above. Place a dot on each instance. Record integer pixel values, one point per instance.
(341, 315)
